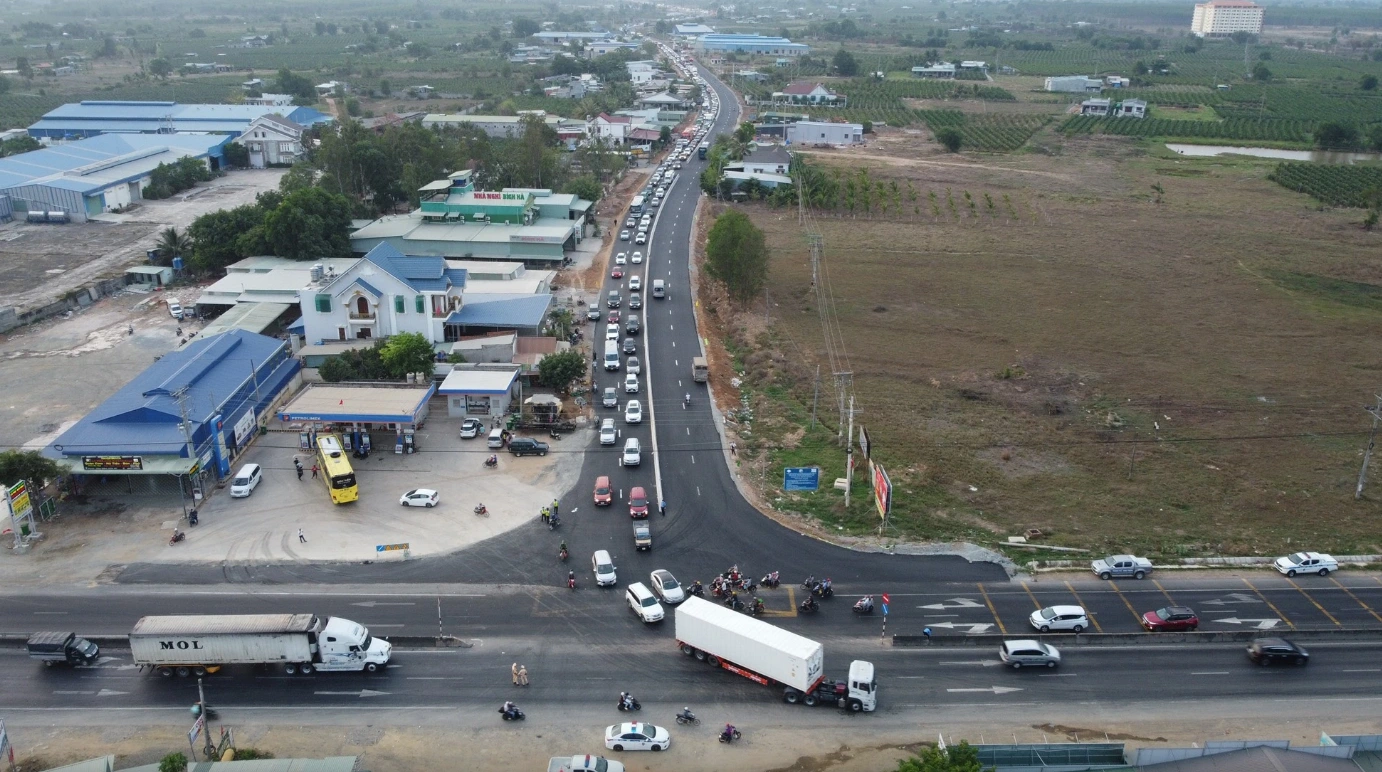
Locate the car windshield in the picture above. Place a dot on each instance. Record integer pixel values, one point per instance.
(242, 481)
(649, 602)
(1163, 613)
(602, 490)
(638, 501)
(1297, 558)
(1048, 613)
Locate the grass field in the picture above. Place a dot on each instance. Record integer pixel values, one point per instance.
(1180, 378)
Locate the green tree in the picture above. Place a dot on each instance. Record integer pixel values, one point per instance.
(108, 48)
(221, 237)
(951, 138)
(336, 369)
(385, 87)
(18, 144)
(736, 253)
(955, 758)
(408, 352)
(173, 762)
(844, 63)
(237, 155)
(1333, 135)
(1260, 72)
(309, 224)
(172, 244)
(4, 84)
(353, 108)
(1368, 83)
(16, 465)
(585, 186)
(664, 135)
(160, 68)
(744, 133)
(525, 28)
(1374, 137)
(304, 91)
(558, 371)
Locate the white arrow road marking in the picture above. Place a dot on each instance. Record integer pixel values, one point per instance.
(1236, 597)
(990, 690)
(361, 693)
(957, 603)
(373, 603)
(109, 693)
(73, 692)
(975, 628)
(1260, 624)
(981, 662)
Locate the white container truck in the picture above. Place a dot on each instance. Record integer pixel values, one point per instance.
(301, 643)
(761, 652)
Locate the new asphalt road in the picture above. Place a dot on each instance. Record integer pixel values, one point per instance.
(506, 596)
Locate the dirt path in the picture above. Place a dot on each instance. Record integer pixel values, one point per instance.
(897, 161)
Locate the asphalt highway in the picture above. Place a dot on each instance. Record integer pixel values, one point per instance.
(506, 597)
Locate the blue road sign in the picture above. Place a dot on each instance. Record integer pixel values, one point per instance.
(801, 478)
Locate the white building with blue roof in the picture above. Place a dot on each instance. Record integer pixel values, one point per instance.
(223, 387)
(386, 293)
(98, 174)
(90, 118)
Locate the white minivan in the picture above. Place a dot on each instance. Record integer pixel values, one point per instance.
(612, 354)
(245, 481)
(603, 566)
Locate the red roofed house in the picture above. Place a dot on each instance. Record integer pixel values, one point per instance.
(807, 93)
(614, 128)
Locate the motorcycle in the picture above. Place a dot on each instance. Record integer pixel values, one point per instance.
(571, 580)
(192, 517)
(554, 434)
(563, 555)
(810, 604)
(512, 713)
(734, 603)
(492, 462)
(630, 704)
(481, 510)
(747, 585)
(758, 608)
(864, 605)
(729, 734)
(770, 580)
(687, 717)
(810, 583)
(176, 537)
(698, 590)
(553, 522)
(823, 591)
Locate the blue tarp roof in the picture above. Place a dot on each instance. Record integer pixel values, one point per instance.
(501, 310)
(93, 163)
(144, 417)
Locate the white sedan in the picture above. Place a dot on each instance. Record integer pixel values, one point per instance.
(633, 412)
(637, 258)
(665, 586)
(421, 497)
(636, 737)
(621, 258)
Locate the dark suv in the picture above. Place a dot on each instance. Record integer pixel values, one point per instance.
(1267, 651)
(527, 446)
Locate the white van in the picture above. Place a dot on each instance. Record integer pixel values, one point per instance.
(245, 481)
(612, 353)
(659, 288)
(603, 566)
(495, 439)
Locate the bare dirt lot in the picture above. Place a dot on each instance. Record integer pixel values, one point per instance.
(1036, 342)
(40, 263)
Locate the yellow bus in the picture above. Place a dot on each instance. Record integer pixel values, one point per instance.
(336, 471)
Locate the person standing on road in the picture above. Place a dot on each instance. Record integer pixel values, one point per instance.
(554, 506)
(314, 471)
(514, 671)
(662, 507)
(302, 537)
(298, 466)
(522, 675)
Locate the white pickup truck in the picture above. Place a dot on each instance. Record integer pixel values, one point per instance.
(583, 763)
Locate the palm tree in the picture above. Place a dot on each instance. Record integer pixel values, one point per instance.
(172, 244)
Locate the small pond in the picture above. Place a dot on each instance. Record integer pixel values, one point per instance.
(1318, 156)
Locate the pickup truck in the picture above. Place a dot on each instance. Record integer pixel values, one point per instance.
(62, 647)
(584, 763)
(1117, 566)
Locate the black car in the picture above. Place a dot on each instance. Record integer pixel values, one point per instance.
(630, 346)
(527, 446)
(1267, 651)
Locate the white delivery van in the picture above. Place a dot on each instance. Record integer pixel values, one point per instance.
(612, 354)
(659, 288)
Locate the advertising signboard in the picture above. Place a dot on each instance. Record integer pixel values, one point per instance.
(107, 463)
(882, 490)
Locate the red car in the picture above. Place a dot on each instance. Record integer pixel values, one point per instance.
(638, 502)
(613, 317)
(617, 273)
(1170, 619)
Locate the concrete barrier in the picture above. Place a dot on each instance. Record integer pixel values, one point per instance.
(1060, 640)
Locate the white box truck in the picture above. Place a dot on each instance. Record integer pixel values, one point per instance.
(761, 652)
(301, 643)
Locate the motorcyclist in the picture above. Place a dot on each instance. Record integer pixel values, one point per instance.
(687, 714)
(825, 586)
(626, 700)
(493, 460)
(697, 589)
(508, 708)
(758, 605)
(571, 579)
(728, 734)
(688, 398)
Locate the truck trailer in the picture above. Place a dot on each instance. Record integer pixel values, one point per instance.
(301, 643)
(766, 654)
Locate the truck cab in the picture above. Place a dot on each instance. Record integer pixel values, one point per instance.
(700, 369)
(62, 647)
(346, 645)
(863, 687)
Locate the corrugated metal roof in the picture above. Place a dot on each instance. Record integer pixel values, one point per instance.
(478, 382)
(98, 162)
(224, 624)
(328, 764)
(501, 311)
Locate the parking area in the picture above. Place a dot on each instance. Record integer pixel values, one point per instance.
(1240, 601)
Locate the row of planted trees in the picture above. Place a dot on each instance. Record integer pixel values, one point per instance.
(859, 193)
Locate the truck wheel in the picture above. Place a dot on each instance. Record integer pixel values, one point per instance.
(166, 672)
(290, 668)
(688, 650)
(371, 667)
(199, 671)
(1139, 574)
(1106, 576)
(810, 701)
(47, 663)
(305, 668)
(184, 671)
(791, 696)
(855, 706)
(712, 660)
(700, 655)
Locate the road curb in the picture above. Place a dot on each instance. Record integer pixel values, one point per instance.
(1107, 639)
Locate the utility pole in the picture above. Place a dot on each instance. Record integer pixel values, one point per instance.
(1376, 412)
(816, 399)
(849, 454)
(181, 396)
